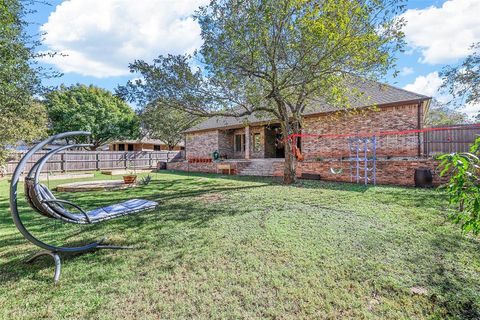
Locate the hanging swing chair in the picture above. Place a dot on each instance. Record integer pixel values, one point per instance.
(42, 200)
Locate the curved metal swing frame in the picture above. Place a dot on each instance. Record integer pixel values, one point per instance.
(33, 176)
(34, 173)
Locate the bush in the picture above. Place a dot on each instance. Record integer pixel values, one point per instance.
(145, 181)
(464, 186)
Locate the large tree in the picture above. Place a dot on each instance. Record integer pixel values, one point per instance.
(166, 123)
(93, 109)
(462, 81)
(22, 119)
(275, 57)
(442, 115)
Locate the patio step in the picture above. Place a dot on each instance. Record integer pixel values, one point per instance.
(260, 167)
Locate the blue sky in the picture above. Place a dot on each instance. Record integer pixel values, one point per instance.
(100, 38)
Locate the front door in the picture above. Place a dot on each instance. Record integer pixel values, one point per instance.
(279, 144)
(274, 145)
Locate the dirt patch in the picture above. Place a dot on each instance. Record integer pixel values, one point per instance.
(211, 197)
(419, 290)
(373, 302)
(97, 185)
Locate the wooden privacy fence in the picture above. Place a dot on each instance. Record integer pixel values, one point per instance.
(457, 139)
(97, 160)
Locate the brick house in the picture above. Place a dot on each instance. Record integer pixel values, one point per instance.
(255, 140)
(255, 137)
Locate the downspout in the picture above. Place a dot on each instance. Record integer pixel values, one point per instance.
(419, 127)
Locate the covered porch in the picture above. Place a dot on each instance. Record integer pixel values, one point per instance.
(251, 142)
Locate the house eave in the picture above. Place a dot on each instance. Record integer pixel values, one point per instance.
(242, 125)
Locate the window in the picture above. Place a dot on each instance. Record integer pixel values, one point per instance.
(130, 147)
(239, 142)
(121, 147)
(257, 143)
(156, 147)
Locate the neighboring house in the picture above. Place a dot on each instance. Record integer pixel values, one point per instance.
(144, 144)
(24, 147)
(381, 108)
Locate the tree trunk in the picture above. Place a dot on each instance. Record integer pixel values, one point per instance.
(290, 168)
(94, 146)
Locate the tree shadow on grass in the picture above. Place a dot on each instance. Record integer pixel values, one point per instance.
(435, 260)
(451, 288)
(16, 267)
(427, 198)
(179, 205)
(262, 179)
(301, 183)
(413, 197)
(329, 185)
(174, 208)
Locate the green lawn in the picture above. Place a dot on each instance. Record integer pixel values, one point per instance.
(230, 248)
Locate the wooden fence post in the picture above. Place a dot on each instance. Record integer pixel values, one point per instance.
(125, 160)
(62, 162)
(97, 161)
(150, 160)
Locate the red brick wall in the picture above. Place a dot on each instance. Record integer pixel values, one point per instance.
(374, 120)
(201, 144)
(193, 167)
(389, 172)
(397, 118)
(392, 172)
(225, 143)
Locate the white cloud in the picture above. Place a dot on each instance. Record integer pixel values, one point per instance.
(406, 71)
(102, 37)
(443, 34)
(430, 84)
(427, 85)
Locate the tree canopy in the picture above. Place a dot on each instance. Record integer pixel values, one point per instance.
(93, 109)
(166, 123)
(23, 119)
(463, 81)
(443, 115)
(275, 57)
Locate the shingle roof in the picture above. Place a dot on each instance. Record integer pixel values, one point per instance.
(144, 141)
(372, 94)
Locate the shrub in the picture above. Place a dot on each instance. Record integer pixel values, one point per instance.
(145, 181)
(463, 188)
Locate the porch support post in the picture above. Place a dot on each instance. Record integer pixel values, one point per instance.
(247, 142)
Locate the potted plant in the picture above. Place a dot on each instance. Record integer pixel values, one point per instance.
(131, 176)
